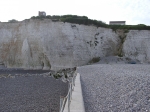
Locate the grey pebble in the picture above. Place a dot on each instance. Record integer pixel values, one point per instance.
(116, 88)
(22, 91)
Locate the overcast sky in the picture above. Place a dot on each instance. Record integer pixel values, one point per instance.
(131, 11)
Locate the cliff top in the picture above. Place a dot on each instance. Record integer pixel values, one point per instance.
(85, 21)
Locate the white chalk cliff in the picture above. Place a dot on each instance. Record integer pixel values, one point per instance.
(137, 45)
(43, 44)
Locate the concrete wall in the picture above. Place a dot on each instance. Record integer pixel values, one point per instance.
(43, 44)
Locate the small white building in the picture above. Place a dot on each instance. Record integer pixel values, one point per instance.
(42, 13)
(117, 22)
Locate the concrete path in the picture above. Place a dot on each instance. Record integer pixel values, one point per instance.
(77, 104)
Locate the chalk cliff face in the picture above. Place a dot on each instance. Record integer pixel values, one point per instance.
(43, 44)
(137, 45)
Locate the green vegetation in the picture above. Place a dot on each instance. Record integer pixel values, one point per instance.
(57, 76)
(126, 31)
(12, 21)
(120, 54)
(86, 21)
(73, 19)
(122, 40)
(94, 60)
(129, 27)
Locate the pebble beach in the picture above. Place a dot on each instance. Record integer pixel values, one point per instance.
(30, 91)
(116, 87)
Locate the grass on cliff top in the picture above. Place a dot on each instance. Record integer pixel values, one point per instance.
(86, 21)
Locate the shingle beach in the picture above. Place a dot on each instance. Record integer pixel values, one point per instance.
(116, 88)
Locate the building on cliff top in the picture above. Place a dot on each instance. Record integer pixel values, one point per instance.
(42, 13)
(117, 22)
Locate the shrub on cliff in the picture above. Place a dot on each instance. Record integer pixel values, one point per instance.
(82, 20)
(12, 21)
(86, 21)
(130, 27)
(73, 19)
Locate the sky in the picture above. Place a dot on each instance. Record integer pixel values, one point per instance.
(132, 11)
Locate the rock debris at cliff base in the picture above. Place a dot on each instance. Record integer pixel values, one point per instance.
(116, 88)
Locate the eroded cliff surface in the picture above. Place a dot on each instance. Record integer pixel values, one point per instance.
(43, 44)
(137, 45)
